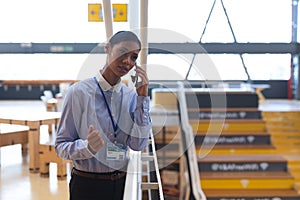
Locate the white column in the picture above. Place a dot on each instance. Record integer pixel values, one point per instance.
(133, 14)
(144, 31)
(108, 18)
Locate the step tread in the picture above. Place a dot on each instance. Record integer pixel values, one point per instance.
(232, 133)
(251, 193)
(237, 121)
(243, 158)
(246, 175)
(238, 146)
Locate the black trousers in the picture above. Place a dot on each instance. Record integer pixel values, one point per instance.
(82, 188)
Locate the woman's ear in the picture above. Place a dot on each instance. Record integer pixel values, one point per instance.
(107, 48)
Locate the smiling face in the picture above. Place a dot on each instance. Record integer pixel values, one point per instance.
(121, 57)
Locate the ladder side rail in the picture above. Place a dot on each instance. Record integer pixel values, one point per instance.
(154, 175)
(189, 145)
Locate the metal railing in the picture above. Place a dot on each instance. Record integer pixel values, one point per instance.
(195, 191)
(134, 177)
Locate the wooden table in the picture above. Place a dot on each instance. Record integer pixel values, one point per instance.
(51, 105)
(33, 120)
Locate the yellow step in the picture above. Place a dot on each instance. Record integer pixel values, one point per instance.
(224, 133)
(173, 153)
(288, 148)
(296, 176)
(293, 164)
(291, 123)
(287, 151)
(297, 186)
(286, 137)
(246, 149)
(289, 143)
(287, 125)
(281, 116)
(229, 126)
(294, 170)
(253, 193)
(275, 129)
(247, 184)
(247, 180)
(287, 133)
(280, 120)
(285, 145)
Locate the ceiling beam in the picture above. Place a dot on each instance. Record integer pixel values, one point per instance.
(155, 48)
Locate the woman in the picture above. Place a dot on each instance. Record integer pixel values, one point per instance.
(101, 119)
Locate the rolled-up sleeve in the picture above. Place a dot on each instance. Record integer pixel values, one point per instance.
(68, 145)
(142, 124)
(142, 116)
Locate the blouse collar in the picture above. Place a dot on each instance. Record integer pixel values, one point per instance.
(106, 86)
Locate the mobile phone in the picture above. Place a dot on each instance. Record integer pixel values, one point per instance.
(132, 78)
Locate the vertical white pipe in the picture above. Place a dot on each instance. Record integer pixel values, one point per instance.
(144, 31)
(108, 18)
(133, 11)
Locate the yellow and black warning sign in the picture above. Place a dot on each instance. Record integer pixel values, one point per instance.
(95, 12)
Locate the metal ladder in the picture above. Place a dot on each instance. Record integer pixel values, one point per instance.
(151, 171)
(143, 165)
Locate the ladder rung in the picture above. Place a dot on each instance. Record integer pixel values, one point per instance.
(145, 173)
(149, 186)
(146, 157)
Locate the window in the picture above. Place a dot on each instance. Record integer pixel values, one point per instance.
(67, 21)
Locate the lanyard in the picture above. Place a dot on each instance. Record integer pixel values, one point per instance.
(115, 125)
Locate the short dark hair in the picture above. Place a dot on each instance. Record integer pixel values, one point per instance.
(123, 36)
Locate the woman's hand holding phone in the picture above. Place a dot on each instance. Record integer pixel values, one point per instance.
(141, 81)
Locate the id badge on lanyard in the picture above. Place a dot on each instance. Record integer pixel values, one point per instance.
(115, 152)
